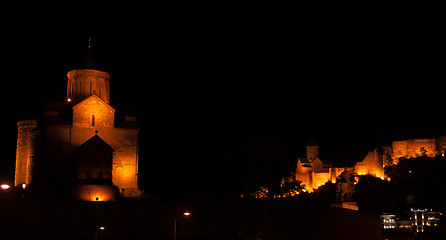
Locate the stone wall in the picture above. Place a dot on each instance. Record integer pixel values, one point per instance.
(320, 179)
(56, 165)
(371, 165)
(125, 156)
(415, 148)
(306, 179)
(59, 141)
(25, 152)
(93, 112)
(441, 144)
(313, 180)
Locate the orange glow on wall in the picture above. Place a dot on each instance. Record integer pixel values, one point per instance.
(124, 176)
(93, 112)
(371, 165)
(95, 193)
(414, 148)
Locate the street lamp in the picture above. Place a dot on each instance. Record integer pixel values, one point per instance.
(186, 213)
(5, 186)
(100, 228)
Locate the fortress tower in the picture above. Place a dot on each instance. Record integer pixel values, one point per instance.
(83, 144)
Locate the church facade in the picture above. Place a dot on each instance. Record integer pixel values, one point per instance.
(84, 146)
(313, 171)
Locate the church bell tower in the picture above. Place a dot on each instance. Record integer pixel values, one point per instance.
(312, 150)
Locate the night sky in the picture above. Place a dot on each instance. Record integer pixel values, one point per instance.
(225, 102)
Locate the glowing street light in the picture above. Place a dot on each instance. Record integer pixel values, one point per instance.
(100, 228)
(5, 186)
(186, 213)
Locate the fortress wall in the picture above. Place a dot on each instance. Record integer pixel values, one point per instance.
(333, 174)
(305, 179)
(388, 150)
(400, 149)
(337, 171)
(441, 143)
(320, 179)
(372, 165)
(415, 146)
(314, 180)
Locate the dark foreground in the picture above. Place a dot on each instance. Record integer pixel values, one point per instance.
(238, 219)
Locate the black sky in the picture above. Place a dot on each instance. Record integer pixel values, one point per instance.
(226, 101)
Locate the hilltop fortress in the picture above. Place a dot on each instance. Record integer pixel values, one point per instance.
(314, 171)
(412, 148)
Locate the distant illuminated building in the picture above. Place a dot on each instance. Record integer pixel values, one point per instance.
(314, 171)
(422, 219)
(83, 146)
(388, 221)
(405, 224)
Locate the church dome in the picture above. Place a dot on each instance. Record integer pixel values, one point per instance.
(83, 83)
(88, 80)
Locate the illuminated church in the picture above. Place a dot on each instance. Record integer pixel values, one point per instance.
(84, 147)
(314, 172)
